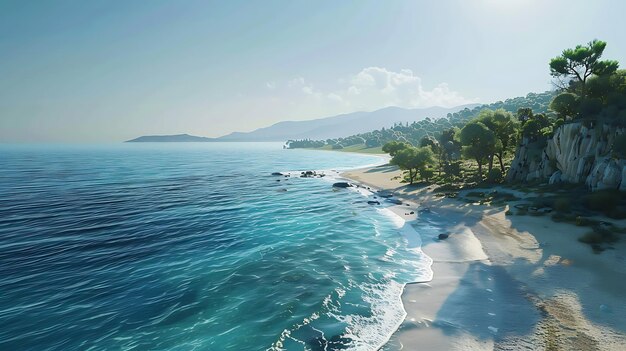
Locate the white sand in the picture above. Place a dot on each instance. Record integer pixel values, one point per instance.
(504, 282)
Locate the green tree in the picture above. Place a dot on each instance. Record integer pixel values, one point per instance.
(536, 127)
(414, 161)
(565, 105)
(429, 141)
(505, 127)
(393, 147)
(578, 64)
(478, 143)
(524, 114)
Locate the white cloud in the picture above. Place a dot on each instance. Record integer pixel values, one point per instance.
(377, 87)
(296, 82)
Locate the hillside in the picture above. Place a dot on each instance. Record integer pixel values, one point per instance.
(341, 125)
(413, 130)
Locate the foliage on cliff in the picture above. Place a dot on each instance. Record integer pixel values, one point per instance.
(591, 89)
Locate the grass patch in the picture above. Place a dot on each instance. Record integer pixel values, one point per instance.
(448, 188)
(562, 205)
(599, 238)
(602, 201)
(359, 148)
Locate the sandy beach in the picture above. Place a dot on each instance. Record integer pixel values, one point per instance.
(503, 282)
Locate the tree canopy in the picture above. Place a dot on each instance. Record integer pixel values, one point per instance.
(578, 64)
(478, 143)
(414, 160)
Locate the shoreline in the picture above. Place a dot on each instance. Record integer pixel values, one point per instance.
(494, 266)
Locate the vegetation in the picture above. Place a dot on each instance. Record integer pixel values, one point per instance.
(464, 146)
(476, 146)
(591, 90)
(413, 133)
(575, 66)
(414, 160)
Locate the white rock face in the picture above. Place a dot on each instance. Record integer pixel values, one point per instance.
(575, 154)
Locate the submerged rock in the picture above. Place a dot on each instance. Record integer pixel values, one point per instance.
(342, 185)
(373, 203)
(384, 194)
(277, 174)
(443, 236)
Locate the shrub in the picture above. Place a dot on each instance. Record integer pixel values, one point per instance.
(582, 221)
(337, 147)
(562, 205)
(448, 187)
(452, 169)
(603, 201)
(475, 194)
(591, 238)
(617, 213)
(560, 217)
(597, 237)
(494, 176)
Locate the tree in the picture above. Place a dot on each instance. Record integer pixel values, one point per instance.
(578, 64)
(505, 127)
(429, 141)
(478, 143)
(565, 105)
(524, 114)
(415, 161)
(536, 127)
(372, 142)
(393, 147)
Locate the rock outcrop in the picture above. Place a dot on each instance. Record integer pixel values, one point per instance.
(574, 154)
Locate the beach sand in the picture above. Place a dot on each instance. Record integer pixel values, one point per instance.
(503, 282)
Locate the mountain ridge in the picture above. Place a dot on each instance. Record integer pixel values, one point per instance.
(320, 128)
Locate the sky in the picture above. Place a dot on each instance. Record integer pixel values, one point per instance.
(108, 71)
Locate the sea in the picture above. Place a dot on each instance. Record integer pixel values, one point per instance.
(195, 246)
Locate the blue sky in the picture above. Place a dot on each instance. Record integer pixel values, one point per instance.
(106, 71)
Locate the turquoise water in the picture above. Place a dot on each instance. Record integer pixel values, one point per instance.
(193, 247)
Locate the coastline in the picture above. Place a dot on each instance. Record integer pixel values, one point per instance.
(503, 282)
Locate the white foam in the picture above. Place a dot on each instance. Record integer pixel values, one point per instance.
(388, 313)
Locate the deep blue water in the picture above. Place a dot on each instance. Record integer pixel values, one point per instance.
(193, 247)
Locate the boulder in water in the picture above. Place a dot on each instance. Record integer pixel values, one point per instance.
(373, 202)
(443, 236)
(342, 185)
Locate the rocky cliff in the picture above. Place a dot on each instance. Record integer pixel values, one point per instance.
(574, 154)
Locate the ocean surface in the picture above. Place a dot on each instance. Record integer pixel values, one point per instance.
(194, 247)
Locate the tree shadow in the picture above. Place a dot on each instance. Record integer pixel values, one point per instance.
(387, 168)
(488, 304)
(566, 264)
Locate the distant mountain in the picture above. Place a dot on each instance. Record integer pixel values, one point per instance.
(322, 128)
(341, 125)
(178, 138)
